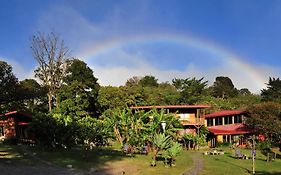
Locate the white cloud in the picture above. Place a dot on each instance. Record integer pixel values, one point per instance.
(116, 75)
(115, 68)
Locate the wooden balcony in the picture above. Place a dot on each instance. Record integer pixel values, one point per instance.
(192, 121)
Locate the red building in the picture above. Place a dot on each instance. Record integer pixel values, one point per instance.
(14, 124)
(227, 126)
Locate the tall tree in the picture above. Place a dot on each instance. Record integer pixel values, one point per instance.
(224, 88)
(244, 91)
(273, 90)
(191, 90)
(8, 83)
(149, 81)
(51, 54)
(134, 81)
(79, 95)
(34, 96)
(266, 118)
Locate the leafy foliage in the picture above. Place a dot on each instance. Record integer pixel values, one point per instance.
(273, 90)
(34, 96)
(224, 88)
(191, 90)
(172, 152)
(266, 118)
(78, 97)
(148, 81)
(8, 83)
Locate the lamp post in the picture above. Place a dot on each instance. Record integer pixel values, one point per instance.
(253, 154)
(163, 124)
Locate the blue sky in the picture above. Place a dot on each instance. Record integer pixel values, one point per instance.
(166, 39)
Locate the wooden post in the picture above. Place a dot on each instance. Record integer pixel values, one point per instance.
(253, 154)
(267, 159)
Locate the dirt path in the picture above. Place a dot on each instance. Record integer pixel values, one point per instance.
(198, 165)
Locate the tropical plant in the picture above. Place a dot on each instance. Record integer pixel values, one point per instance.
(190, 140)
(160, 142)
(172, 152)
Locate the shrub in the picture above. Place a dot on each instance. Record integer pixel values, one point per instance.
(265, 145)
(10, 141)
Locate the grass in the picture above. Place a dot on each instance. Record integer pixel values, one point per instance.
(111, 159)
(227, 164)
(14, 154)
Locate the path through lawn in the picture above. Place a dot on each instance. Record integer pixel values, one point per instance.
(198, 165)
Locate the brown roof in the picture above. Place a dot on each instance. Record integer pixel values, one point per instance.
(172, 107)
(11, 113)
(225, 113)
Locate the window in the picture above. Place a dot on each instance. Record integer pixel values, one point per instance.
(218, 121)
(228, 120)
(238, 119)
(210, 122)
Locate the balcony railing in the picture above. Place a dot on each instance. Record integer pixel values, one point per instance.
(192, 121)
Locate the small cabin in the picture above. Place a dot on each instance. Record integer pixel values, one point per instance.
(14, 124)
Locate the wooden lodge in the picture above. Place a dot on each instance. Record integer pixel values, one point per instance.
(190, 116)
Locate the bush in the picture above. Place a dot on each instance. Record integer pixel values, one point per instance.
(265, 145)
(10, 141)
(223, 144)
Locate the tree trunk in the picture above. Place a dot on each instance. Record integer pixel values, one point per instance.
(50, 101)
(118, 135)
(155, 155)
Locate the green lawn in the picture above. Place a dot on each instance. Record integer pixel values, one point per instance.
(14, 154)
(110, 160)
(114, 159)
(227, 164)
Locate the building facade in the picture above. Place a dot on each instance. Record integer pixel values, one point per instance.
(227, 126)
(14, 124)
(190, 116)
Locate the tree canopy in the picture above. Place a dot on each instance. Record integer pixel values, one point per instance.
(266, 118)
(149, 81)
(191, 90)
(8, 83)
(273, 90)
(51, 54)
(79, 96)
(224, 88)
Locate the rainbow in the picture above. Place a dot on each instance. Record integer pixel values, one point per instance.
(255, 77)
